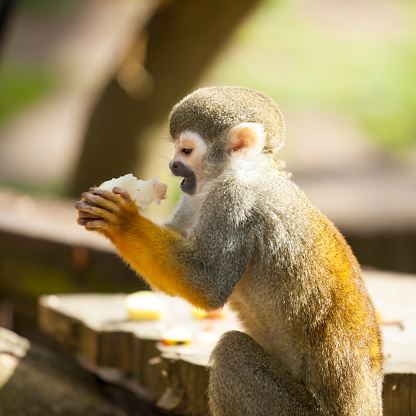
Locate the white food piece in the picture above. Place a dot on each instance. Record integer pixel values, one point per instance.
(150, 191)
(143, 193)
(127, 182)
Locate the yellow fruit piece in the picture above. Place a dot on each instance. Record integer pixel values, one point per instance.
(199, 313)
(215, 314)
(177, 336)
(144, 305)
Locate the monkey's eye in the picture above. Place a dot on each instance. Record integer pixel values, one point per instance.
(187, 151)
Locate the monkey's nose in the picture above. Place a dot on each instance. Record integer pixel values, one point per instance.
(173, 165)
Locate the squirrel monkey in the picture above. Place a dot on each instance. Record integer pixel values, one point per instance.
(245, 234)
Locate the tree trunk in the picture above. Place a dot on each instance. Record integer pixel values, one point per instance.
(183, 38)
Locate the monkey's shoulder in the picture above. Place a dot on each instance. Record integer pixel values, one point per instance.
(256, 191)
(270, 204)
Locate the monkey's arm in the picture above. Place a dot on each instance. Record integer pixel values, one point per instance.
(203, 268)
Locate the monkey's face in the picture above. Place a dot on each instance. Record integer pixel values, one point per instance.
(187, 161)
(198, 162)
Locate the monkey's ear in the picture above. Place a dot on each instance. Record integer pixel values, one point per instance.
(246, 139)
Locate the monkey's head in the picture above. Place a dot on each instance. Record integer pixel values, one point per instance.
(214, 125)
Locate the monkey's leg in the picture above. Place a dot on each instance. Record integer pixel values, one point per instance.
(246, 380)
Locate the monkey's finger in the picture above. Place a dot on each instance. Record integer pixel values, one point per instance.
(105, 194)
(83, 204)
(83, 221)
(99, 201)
(92, 224)
(95, 210)
(123, 193)
(96, 225)
(83, 214)
(80, 204)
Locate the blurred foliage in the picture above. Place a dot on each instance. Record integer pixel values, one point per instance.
(22, 85)
(46, 5)
(50, 188)
(25, 82)
(370, 79)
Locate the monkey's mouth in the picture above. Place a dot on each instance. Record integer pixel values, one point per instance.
(188, 184)
(178, 168)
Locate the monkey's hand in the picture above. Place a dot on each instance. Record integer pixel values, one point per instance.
(150, 249)
(105, 211)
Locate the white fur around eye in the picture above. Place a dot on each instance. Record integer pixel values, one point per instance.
(192, 140)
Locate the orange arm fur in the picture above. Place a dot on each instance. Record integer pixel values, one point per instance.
(150, 249)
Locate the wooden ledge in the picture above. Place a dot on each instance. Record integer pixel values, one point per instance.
(97, 329)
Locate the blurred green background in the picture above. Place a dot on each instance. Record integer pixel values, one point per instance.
(362, 64)
(299, 53)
